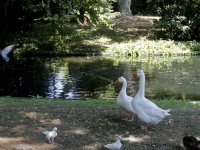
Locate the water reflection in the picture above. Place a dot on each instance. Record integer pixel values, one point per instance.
(93, 77)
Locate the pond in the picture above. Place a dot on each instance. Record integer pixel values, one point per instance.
(94, 77)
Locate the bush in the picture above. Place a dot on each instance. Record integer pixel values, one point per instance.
(180, 19)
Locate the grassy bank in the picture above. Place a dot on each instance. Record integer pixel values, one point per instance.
(90, 124)
(130, 36)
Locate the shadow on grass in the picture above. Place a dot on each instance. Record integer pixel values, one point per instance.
(72, 38)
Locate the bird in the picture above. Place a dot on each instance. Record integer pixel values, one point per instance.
(50, 135)
(114, 146)
(146, 110)
(123, 100)
(191, 143)
(6, 51)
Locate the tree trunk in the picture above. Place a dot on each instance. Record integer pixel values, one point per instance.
(83, 18)
(124, 7)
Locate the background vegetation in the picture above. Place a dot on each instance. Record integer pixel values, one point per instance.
(59, 25)
(179, 19)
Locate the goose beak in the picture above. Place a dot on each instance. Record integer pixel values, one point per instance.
(117, 81)
(135, 73)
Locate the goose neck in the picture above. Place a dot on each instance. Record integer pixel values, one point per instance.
(124, 86)
(141, 86)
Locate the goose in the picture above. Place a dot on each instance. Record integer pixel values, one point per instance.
(146, 110)
(124, 101)
(114, 146)
(50, 135)
(6, 51)
(191, 143)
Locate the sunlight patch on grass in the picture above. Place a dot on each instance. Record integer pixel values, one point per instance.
(77, 131)
(197, 103)
(132, 138)
(21, 126)
(18, 143)
(90, 146)
(31, 114)
(6, 140)
(172, 140)
(103, 40)
(151, 47)
(51, 121)
(56, 121)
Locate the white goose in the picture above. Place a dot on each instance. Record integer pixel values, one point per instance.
(124, 101)
(147, 111)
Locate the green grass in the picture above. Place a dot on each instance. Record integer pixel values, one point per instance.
(92, 103)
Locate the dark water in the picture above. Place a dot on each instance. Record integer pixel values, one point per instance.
(94, 77)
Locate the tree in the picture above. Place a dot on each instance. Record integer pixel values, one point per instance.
(20, 14)
(124, 7)
(95, 11)
(3, 17)
(179, 19)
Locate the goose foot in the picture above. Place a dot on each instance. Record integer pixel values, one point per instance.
(132, 118)
(144, 127)
(125, 118)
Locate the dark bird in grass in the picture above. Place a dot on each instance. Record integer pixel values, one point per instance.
(191, 143)
(6, 51)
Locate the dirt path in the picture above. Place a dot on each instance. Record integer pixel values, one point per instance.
(133, 22)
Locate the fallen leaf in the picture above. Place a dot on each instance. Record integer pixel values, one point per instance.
(38, 128)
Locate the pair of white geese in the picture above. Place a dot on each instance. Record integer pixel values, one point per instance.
(146, 110)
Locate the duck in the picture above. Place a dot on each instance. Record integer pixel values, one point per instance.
(6, 51)
(123, 100)
(191, 143)
(50, 135)
(114, 146)
(146, 110)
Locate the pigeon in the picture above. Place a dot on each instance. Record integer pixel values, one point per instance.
(50, 135)
(114, 146)
(6, 51)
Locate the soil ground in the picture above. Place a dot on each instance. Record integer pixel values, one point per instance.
(88, 126)
(131, 23)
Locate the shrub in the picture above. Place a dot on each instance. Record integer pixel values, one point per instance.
(180, 19)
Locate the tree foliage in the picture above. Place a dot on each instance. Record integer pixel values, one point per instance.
(20, 14)
(180, 18)
(140, 7)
